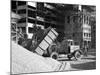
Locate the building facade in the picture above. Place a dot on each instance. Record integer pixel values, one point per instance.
(70, 21)
(38, 14)
(77, 26)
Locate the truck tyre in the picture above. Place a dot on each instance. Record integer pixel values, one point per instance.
(52, 48)
(77, 55)
(54, 55)
(69, 56)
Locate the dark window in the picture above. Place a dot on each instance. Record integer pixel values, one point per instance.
(68, 19)
(31, 13)
(34, 8)
(41, 14)
(22, 20)
(40, 22)
(31, 20)
(21, 3)
(30, 30)
(14, 11)
(47, 24)
(40, 6)
(75, 19)
(23, 11)
(70, 43)
(23, 29)
(89, 35)
(13, 5)
(86, 34)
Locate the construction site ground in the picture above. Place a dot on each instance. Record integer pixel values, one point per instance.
(24, 61)
(86, 63)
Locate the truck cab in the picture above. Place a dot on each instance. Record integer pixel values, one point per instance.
(74, 45)
(67, 47)
(74, 49)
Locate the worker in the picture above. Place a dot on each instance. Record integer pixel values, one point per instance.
(20, 36)
(85, 50)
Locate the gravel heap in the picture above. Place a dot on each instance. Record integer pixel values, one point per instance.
(24, 61)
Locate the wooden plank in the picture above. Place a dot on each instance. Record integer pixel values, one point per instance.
(54, 32)
(39, 51)
(44, 45)
(48, 39)
(52, 35)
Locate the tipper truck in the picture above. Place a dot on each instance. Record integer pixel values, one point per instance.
(45, 44)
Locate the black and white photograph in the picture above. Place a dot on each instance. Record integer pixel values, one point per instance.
(52, 37)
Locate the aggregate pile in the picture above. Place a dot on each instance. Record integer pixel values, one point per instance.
(24, 61)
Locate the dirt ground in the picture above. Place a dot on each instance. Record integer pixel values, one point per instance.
(86, 63)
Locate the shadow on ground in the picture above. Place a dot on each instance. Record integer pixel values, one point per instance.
(85, 66)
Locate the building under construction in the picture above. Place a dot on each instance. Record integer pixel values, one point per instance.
(70, 21)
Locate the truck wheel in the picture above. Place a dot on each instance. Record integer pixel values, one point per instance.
(69, 56)
(54, 55)
(77, 55)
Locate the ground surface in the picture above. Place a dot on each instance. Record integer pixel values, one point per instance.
(86, 63)
(24, 61)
